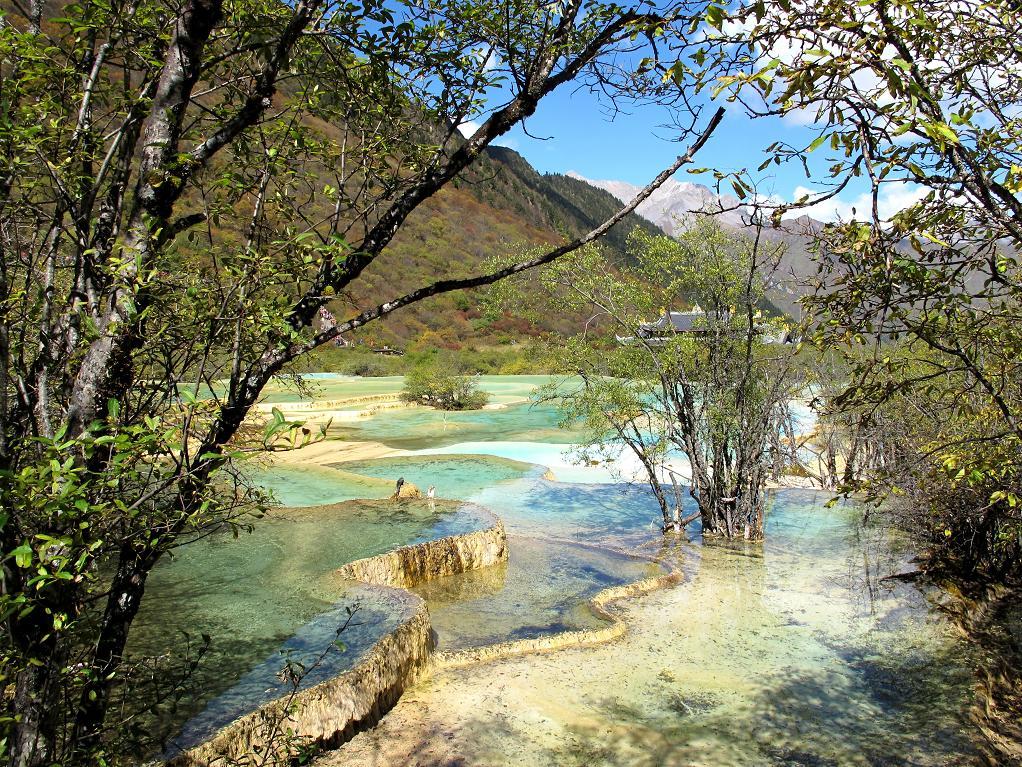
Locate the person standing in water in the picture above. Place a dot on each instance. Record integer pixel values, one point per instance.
(400, 484)
(431, 493)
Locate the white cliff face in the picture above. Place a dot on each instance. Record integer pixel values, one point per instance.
(670, 205)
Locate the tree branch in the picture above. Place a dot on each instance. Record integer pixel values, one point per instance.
(445, 286)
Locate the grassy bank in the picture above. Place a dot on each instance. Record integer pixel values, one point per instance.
(532, 357)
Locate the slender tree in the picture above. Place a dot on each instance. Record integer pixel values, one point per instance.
(717, 393)
(918, 102)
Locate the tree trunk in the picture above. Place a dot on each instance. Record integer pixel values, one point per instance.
(679, 525)
(36, 690)
(35, 732)
(853, 457)
(109, 354)
(122, 605)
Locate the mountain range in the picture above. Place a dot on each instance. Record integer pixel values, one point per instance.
(673, 203)
(502, 202)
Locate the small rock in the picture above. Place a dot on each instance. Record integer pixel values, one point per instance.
(408, 490)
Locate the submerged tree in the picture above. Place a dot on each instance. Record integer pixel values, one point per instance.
(182, 188)
(435, 382)
(716, 391)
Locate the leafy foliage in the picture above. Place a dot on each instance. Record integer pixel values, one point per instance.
(183, 187)
(432, 383)
(921, 101)
(717, 394)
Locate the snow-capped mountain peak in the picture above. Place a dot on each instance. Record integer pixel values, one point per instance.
(671, 204)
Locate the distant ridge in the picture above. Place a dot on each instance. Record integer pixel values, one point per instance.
(673, 202)
(569, 203)
(676, 201)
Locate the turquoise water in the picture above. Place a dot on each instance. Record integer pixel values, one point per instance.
(328, 386)
(320, 386)
(795, 651)
(616, 514)
(562, 460)
(543, 589)
(454, 476)
(333, 386)
(310, 485)
(258, 594)
(321, 648)
(421, 428)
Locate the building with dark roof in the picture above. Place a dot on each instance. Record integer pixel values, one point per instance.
(694, 322)
(675, 322)
(670, 324)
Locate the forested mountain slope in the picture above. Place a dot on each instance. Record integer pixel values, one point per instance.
(502, 202)
(499, 203)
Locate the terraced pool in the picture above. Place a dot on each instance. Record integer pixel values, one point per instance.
(796, 651)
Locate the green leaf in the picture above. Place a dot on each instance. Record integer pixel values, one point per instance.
(715, 16)
(818, 142)
(22, 555)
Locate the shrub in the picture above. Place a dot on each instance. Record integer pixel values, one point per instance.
(428, 383)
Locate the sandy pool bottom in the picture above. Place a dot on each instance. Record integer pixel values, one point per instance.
(755, 660)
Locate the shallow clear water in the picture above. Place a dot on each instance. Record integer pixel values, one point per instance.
(328, 386)
(798, 652)
(311, 485)
(333, 386)
(454, 476)
(421, 428)
(795, 651)
(543, 589)
(791, 652)
(321, 648)
(254, 594)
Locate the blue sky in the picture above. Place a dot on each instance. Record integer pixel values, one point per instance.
(632, 147)
(574, 133)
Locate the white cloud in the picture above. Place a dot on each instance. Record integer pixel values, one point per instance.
(468, 127)
(893, 198)
(492, 59)
(801, 116)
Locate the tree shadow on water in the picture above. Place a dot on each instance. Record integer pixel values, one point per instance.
(888, 714)
(477, 742)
